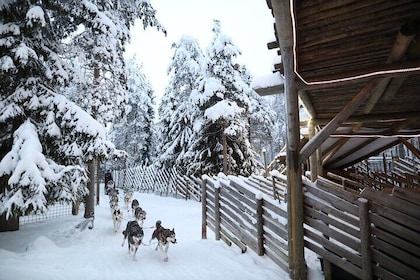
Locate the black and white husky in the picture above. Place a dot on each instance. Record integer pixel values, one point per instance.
(134, 233)
(134, 205)
(128, 197)
(117, 217)
(165, 237)
(140, 215)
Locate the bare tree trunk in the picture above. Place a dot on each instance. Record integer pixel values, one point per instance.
(98, 189)
(75, 207)
(90, 198)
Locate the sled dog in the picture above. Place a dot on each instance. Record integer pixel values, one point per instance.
(134, 233)
(140, 215)
(134, 205)
(117, 217)
(128, 197)
(165, 237)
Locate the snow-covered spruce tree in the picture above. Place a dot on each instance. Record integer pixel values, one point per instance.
(45, 138)
(261, 118)
(175, 127)
(134, 134)
(105, 30)
(277, 103)
(99, 47)
(221, 140)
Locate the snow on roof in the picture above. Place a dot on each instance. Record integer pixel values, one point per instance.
(266, 81)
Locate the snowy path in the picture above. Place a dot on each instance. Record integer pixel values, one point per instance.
(56, 250)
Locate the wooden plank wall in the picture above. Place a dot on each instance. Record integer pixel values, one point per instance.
(367, 235)
(247, 212)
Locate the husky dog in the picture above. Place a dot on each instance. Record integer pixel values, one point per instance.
(117, 217)
(134, 233)
(140, 215)
(113, 206)
(128, 197)
(113, 197)
(134, 205)
(164, 237)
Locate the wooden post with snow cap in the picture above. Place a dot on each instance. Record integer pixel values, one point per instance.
(264, 151)
(217, 210)
(204, 208)
(260, 224)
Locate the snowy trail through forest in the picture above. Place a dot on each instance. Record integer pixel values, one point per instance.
(57, 250)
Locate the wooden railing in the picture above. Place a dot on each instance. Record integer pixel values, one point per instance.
(371, 234)
(365, 232)
(248, 212)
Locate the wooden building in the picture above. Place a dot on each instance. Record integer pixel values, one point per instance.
(355, 65)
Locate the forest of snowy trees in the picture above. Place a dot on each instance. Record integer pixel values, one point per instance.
(70, 101)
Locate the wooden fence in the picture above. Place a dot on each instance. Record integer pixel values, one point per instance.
(168, 182)
(249, 212)
(371, 234)
(367, 234)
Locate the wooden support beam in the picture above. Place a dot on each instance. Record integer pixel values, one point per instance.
(339, 144)
(410, 147)
(387, 117)
(350, 152)
(404, 38)
(393, 87)
(358, 100)
(307, 103)
(281, 11)
(373, 153)
(313, 158)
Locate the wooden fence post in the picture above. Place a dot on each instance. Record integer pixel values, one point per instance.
(365, 239)
(217, 211)
(260, 223)
(204, 209)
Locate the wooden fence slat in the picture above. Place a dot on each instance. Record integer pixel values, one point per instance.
(398, 254)
(396, 203)
(341, 237)
(275, 226)
(334, 200)
(331, 221)
(396, 216)
(275, 208)
(333, 258)
(324, 207)
(406, 194)
(383, 273)
(335, 188)
(394, 228)
(394, 266)
(396, 241)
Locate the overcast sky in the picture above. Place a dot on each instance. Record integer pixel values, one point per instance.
(248, 22)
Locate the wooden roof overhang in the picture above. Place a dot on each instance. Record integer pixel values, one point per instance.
(357, 72)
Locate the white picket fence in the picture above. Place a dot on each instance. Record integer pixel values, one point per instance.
(167, 182)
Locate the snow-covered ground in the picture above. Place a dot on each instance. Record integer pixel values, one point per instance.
(55, 249)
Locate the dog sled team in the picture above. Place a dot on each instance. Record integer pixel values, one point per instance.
(134, 233)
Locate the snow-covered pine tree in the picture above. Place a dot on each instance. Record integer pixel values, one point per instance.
(261, 118)
(175, 127)
(134, 134)
(45, 138)
(277, 103)
(221, 140)
(105, 30)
